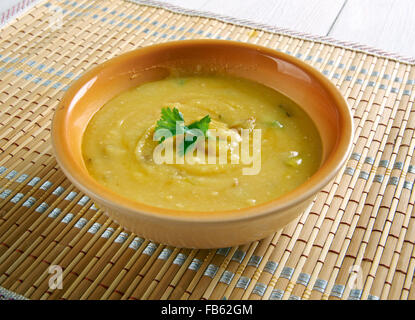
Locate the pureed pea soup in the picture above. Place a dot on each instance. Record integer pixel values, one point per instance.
(121, 153)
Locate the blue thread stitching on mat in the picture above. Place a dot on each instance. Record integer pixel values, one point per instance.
(32, 63)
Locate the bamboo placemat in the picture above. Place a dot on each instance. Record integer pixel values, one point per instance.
(356, 240)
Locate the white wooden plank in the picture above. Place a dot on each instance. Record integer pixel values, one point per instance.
(6, 4)
(385, 24)
(310, 16)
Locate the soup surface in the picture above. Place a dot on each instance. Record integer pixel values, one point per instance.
(119, 147)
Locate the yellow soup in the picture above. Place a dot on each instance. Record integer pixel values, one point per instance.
(282, 146)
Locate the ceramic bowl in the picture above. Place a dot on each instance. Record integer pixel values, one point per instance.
(286, 74)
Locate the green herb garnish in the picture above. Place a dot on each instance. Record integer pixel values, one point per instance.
(173, 121)
(277, 124)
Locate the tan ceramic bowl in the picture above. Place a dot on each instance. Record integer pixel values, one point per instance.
(303, 84)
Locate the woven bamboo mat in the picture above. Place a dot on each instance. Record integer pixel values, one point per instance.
(356, 241)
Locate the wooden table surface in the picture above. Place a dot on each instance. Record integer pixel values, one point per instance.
(388, 25)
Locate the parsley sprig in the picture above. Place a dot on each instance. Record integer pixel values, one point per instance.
(173, 121)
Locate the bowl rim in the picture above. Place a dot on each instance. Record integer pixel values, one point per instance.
(299, 194)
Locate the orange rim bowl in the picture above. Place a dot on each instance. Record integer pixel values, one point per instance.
(286, 74)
